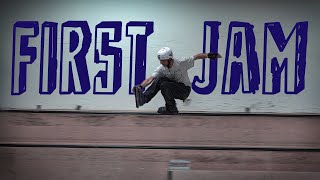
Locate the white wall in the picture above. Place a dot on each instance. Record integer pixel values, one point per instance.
(177, 24)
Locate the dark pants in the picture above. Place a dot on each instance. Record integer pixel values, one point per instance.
(170, 90)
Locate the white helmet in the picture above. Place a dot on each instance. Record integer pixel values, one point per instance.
(165, 53)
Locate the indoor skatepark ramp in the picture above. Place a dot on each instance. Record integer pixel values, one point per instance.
(87, 145)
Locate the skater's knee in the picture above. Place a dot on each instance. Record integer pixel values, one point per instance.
(164, 86)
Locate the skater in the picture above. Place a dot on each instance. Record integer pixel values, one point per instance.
(171, 78)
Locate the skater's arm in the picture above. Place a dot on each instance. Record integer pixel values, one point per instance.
(207, 55)
(147, 81)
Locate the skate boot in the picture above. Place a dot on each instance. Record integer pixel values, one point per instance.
(164, 110)
(139, 97)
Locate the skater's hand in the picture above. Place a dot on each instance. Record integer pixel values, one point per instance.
(214, 55)
(139, 85)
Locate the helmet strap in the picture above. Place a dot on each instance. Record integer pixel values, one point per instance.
(170, 61)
